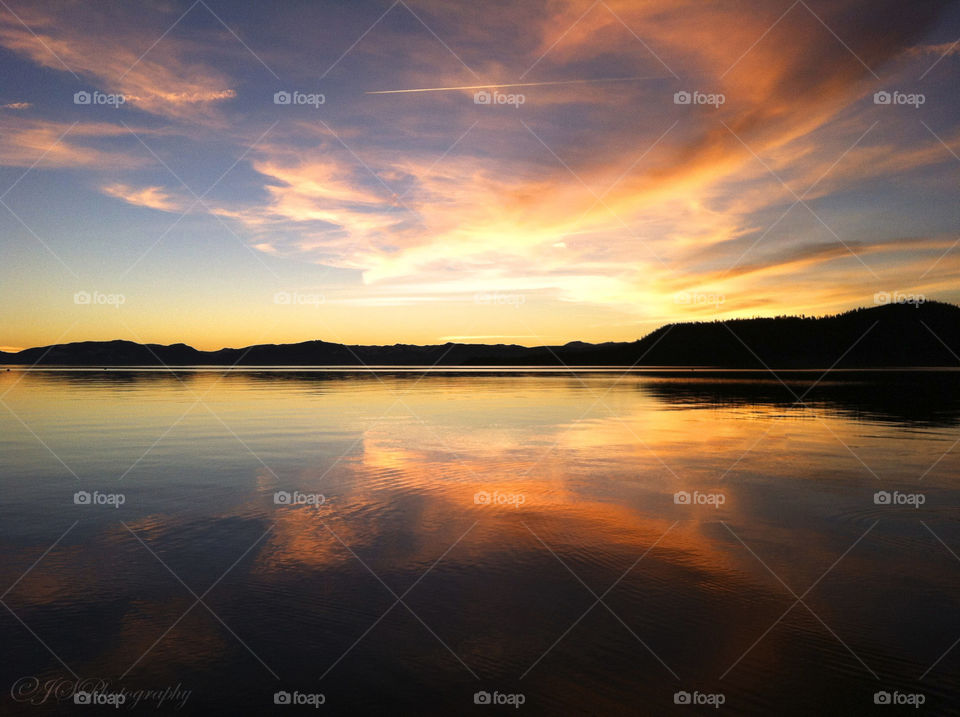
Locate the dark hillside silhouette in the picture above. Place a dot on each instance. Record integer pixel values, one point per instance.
(895, 335)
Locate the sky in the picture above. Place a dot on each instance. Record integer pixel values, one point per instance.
(421, 171)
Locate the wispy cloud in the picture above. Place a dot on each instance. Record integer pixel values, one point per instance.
(113, 47)
(151, 197)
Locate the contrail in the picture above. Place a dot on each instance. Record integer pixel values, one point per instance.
(520, 84)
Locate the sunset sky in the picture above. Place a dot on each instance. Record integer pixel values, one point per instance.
(200, 210)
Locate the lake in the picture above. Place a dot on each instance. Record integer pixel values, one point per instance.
(442, 542)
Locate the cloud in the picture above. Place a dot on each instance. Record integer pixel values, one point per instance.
(705, 184)
(151, 197)
(16, 106)
(123, 49)
(944, 49)
(45, 143)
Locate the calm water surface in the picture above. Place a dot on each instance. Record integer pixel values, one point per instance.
(518, 533)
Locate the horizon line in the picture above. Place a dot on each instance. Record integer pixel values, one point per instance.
(915, 305)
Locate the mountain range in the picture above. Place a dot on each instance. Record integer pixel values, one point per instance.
(892, 335)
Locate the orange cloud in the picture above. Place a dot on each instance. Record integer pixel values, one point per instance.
(152, 197)
(24, 142)
(119, 49)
